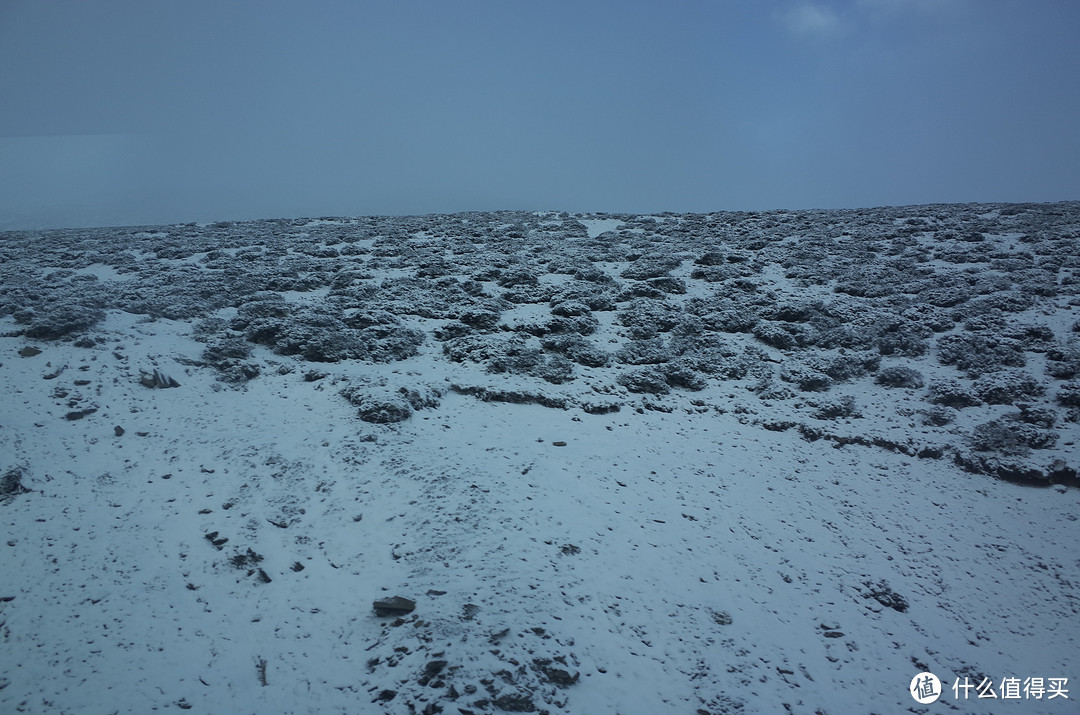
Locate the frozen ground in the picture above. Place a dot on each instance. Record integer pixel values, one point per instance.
(723, 463)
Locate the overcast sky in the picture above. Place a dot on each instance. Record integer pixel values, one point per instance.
(117, 112)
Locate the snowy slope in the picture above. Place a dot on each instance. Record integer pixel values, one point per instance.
(698, 522)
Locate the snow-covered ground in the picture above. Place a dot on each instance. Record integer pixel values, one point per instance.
(620, 464)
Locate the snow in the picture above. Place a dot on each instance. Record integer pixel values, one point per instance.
(673, 556)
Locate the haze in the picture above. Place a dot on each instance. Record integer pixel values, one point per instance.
(120, 113)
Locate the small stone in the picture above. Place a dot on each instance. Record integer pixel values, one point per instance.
(396, 606)
(558, 444)
(118, 430)
(29, 351)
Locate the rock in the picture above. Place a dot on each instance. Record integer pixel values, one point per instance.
(29, 351)
(1062, 473)
(118, 431)
(396, 606)
(157, 379)
(79, 414)
(11, 485)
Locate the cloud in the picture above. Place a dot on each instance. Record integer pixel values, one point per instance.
(812, 20)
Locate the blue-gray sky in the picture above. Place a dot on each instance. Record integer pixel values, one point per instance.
(145, 111)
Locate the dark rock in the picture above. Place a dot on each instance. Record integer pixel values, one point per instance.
(515, 703)
(11, 484)
(157, 379)
(1061, 473)
(118, 431)
(79, 414)
(29, 351)
(395, 606)
(883, 594)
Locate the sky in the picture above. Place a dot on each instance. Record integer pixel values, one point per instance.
(129, 112)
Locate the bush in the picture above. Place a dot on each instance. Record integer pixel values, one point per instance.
(978, 354)
(846, 366)
(1068, 395)
(683, 375)
(651, 351)
(577, 348)
(1011, 437)
(806, 378)
(774, 335)
(1064, 363)
(1003, 388)
(646, 317)
(645, 380)
(903, 342)
(54, 322)
(951, 394)
(651, 267)
(841, 407)
(899, 376)
(938, 416)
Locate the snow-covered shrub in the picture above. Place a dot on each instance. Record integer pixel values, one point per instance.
(593, 297)
(228, 355)
(318, 334)
(514, 355)
(1039, 416)
(925, 320)
(577, 348)
(1036, 281)
(1004, 388)
(649, 316)
(645, 380)
(569, 308)
(581, 324)
(1011, 437)
(777, 335)
(977, 354)
(682, 374)
(839, 407)
(56, 321)
(1033, 337)
(480, 319)
(731, 320)
(845, 366)
(945, 297)
(481, 348)
(1068, 395)
(651, 351)
(951, 394)
(517, 276)
(1064, 363)
(524, 293)
(384, 409)
(903, 341)
(710, 258)
(899, 376)
(806, 378)
(667, 284)
(652, 266)
(555, 369)
(421, 398)
(938, 415)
